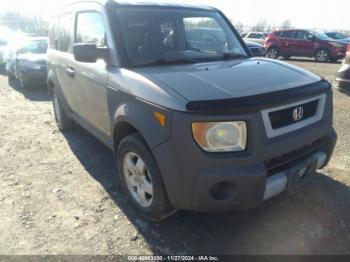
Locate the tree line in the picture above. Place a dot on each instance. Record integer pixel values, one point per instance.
(36, 24)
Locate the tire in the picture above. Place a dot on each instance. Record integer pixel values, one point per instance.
(273, 53)
(322, 55)
(141, 179)
(63, 122)
(286, 57)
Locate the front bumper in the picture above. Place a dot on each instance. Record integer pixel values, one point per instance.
(201, 181)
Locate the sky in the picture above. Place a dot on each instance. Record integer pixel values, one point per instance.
(317, 14)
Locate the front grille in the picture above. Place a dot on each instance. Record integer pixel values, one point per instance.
(286, 117)
(286, 161)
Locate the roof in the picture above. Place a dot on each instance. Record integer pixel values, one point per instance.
(159, 3)
(145, 3)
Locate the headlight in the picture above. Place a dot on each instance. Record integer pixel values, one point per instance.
(221, 136)
(336, 44)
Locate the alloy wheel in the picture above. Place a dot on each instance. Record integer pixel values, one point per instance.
(322, 56)
(138, 179)
(273, 53)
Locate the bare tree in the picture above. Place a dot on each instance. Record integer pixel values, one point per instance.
(286, 24)
(33, 24)
(260, 26)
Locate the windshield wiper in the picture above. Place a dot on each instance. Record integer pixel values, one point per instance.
(230, 55)
(165, 61)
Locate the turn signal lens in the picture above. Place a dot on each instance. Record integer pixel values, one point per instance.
(161, 118)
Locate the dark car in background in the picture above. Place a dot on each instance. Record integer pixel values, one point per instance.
(27, 62)
(343, 75)
(255, 48)
(338, 37)
(304, 43)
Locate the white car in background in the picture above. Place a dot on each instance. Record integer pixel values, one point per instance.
(257, 37)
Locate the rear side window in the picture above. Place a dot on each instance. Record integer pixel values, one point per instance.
(288, 34)
(53, 30)
(278, 34)
(90, 29)
(65, 32)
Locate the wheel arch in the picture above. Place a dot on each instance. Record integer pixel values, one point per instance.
(138, 118)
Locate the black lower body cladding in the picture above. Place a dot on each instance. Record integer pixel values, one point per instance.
(201, 181)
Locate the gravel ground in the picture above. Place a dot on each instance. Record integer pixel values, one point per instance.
(58, 196)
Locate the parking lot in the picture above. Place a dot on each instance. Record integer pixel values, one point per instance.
(59, 195)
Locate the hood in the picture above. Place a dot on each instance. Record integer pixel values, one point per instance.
(231, 79)
(35, 58)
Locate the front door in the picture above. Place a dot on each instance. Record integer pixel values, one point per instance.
(304, 44)
(90, 79)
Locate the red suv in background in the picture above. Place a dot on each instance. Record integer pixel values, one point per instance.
(304, 43)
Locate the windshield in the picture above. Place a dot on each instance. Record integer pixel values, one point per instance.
(34, 47)
(321, 36)
(336, 35)
(176, 35)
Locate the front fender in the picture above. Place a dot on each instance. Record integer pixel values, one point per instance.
(140, 115)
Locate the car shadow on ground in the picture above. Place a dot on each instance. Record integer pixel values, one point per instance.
(38, 93)
(313, 221)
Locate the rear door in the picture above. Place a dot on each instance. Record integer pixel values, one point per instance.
(64, 56)
(90, 79)
(304, 43)
(287, 43)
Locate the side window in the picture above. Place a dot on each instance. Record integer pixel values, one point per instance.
(53, 30)
(65, 30)
(260, 36)
(252, 35)
(90, 29)
(278, 34)
(288, 34)
(301, 35)
(243, 35)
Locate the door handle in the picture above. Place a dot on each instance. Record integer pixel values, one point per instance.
(70, 71)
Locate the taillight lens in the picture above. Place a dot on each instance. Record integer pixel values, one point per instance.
(348, 48)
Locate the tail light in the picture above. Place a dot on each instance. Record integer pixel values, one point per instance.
(348, 49)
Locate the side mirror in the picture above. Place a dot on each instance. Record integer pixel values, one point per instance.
(89, 53)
